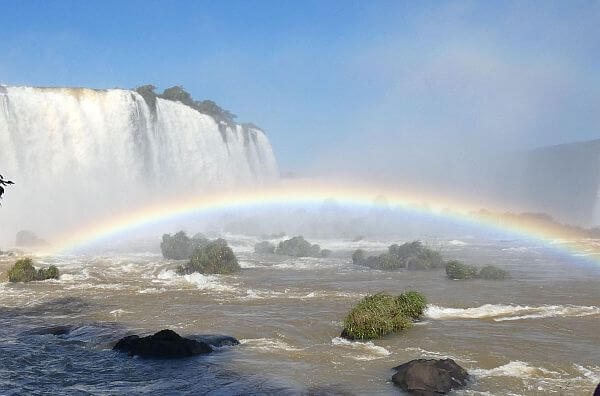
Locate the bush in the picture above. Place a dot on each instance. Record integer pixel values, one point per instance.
(491, 272)
(358, 257)
(24, 271)
(458, 270)
(264, 248)
(213, 258)
(180, 246)
(381, 314)
(47, 273)
(411, 255)
(298, 247)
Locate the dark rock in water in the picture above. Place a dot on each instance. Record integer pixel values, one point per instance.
(216, 340)
(164, 344)
(429, 377)
(54, 330)
(597, 391)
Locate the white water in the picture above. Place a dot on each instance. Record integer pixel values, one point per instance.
(83, 152)
(500, 313)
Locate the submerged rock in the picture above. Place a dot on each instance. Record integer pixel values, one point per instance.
(164, 344)
(429, 377)
(57, 330)
(216, 340)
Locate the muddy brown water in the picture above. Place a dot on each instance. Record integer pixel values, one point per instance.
(537, 333)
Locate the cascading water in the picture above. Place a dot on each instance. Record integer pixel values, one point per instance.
(77, 153)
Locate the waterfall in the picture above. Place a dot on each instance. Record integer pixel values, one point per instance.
(77, 153)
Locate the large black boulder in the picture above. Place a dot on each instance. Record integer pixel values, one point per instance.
(430, 377)
(164, 344)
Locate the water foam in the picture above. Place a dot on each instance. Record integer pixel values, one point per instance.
(515, 368)
(202, 282)
(268, 345)
(368, 350)
(500, 312)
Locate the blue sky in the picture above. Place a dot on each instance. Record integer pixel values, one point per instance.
(334, 78)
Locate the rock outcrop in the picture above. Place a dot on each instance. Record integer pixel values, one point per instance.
(430, 377)
(164, 344)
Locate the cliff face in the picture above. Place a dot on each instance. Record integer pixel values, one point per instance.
(76, 151)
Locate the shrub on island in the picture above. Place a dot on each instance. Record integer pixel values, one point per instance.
(265, 247)
(491, 272)
(24, 271)
(215, 257)
(459, 270)
(381, 314)
(411, 255)
(179, 246)
(358, 257)
(298, 247)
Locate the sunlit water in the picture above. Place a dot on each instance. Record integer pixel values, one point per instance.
(537, 333)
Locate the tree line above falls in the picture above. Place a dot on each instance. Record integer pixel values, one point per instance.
(179, 94)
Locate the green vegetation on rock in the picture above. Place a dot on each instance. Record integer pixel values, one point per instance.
(491, 272)
(358, 257)
(459, 270)
(298, 247)
(179, 94)
(411, 255)
(179, 246)
(215, 257)
(381, 314)
(265, 247)
(24, 271)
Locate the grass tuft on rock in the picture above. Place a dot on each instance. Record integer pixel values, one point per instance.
(381, 314)
(24, 271)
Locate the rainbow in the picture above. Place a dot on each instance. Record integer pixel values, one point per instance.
(311, 192)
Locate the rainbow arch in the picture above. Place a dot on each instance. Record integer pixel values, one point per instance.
(300, 193)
